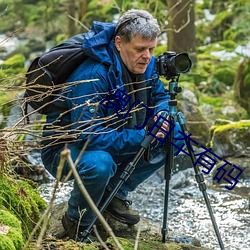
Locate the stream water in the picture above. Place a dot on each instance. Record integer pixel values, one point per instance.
(187, 212)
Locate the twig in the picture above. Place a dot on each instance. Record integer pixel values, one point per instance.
(99, 238)
(137, 236)
(66, 154)
(77, 21)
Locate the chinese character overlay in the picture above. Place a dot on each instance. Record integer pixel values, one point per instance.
(148, 117)
(206, 160)
(167, 133)
(221, 171)
(119, 101)
(185, 137)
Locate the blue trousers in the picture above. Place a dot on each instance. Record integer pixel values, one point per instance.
(100, 170)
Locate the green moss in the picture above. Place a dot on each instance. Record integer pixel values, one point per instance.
(128, 244)
(221, 133)
(13, 239)
(6, 243)
(16, 237)
(21, 199)
(9, 219)
(13, 71)
(236, 125)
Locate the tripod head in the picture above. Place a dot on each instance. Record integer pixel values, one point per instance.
(174, 89)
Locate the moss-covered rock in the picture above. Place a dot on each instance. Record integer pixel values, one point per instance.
(196, 123)
(241, 162)
(22, 200)
(11, 237)
(231, 139)
(150, 235)
(128, 244)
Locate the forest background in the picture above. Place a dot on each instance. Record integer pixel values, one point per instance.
(214, 33)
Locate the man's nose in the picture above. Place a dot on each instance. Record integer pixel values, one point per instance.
(146, 54)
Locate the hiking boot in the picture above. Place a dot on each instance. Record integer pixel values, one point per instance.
(75, 231)
(121, 211)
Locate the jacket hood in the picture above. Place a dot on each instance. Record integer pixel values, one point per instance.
(98, 42)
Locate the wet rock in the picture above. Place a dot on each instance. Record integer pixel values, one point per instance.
(231, 139)
(196, 124)
(182, 179)
(149, 233)
(241, 162)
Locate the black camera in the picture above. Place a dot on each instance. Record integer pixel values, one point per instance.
(171, 65)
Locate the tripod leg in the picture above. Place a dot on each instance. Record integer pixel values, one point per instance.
(200, 179)
(168, 172)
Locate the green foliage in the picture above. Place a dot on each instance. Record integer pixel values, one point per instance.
(229, 23)
(216, 67)
(12, 67)
(224, 75)
(17, 61)
(214, 101)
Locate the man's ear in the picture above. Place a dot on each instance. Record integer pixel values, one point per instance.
(118, 42)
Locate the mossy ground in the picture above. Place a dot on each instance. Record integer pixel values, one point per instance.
(150, 237)
(146, 242)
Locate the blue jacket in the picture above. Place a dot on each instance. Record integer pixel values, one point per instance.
(86, 118)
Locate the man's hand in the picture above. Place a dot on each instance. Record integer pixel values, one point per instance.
(165, 126)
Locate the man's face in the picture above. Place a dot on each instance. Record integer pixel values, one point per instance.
(137, 53)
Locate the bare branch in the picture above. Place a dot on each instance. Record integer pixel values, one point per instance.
(66, 154)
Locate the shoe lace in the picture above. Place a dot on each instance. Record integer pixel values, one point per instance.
(127, 203)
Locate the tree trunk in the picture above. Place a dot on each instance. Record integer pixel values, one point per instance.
(181, 27)
(71, 6)
(83, 7)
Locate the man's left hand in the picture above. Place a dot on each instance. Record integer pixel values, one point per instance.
(165, 126)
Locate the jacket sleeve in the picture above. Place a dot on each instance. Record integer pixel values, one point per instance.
(89, 120)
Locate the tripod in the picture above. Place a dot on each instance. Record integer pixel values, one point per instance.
(169, 163)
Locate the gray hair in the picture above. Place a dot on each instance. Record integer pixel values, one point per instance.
(137, 22)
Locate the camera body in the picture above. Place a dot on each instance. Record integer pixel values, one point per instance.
(171, 65)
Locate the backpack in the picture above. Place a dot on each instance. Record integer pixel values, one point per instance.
(47, 73)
